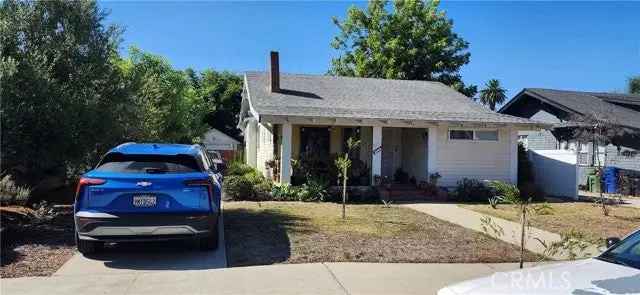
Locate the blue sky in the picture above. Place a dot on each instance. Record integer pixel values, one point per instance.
(591, 46)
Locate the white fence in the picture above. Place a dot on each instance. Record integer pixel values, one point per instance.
(556, 172)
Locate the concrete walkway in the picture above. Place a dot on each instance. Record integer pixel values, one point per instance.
(472, 220)
(317, 278)
(161, 256)
(631, 202)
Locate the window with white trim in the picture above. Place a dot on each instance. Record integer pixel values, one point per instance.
(477, 135)
(461, 134)
(486, 135)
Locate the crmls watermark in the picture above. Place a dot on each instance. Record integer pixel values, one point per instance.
(525, 280)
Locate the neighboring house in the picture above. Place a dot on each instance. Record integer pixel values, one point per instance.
(216, 141)
(419, 127)
(563, 108)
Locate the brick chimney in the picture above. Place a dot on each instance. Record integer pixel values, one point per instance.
(274, 72)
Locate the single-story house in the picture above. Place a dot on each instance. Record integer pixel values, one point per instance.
(215, 140)
(563, 108)
(416, 127)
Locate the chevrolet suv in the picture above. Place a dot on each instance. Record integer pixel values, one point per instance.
(147, 191)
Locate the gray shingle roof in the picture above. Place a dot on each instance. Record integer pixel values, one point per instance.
(367, 98)
(594, 103)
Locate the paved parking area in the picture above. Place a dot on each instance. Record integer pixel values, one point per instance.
(160, 256)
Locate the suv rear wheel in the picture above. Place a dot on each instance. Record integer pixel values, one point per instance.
(88, 247)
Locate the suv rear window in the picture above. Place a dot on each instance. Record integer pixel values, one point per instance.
(117, 162)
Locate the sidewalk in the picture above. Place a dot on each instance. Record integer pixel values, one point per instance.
(472, 220)
(282, 279)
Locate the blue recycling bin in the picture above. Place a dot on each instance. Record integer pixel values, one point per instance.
(610, 180)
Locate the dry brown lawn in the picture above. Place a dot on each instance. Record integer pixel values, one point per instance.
(582, 217)
(292, 232)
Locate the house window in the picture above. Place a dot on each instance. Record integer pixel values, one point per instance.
(461, 134)
(489, 135)
(479, 135)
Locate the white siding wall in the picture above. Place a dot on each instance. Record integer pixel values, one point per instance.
(482, 160)
(264, 146)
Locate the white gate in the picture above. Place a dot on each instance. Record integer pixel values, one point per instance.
(556, 172)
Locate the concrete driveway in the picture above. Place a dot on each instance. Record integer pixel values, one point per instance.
(282, 279)
(157, 256)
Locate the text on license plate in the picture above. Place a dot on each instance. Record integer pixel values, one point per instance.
(144, 201)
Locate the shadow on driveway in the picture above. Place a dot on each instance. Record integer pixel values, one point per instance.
(168, 255)
(148, 256)
(258, 237)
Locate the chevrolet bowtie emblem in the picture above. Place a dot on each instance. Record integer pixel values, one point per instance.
(143, 183)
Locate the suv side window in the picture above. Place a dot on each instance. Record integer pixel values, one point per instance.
(203, 159)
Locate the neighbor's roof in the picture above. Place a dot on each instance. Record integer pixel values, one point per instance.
(367, 98)
(587, 103)
(155, 149)
(217, 136)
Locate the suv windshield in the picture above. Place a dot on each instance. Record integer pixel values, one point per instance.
(117, 162)
(626, 252)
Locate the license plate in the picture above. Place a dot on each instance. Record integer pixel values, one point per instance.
(144, 201)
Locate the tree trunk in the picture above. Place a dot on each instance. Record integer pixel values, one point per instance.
(522, 234)
(344, 192)
(605, 211)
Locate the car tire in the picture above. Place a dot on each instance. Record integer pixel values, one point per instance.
(88, 247)
(209, 242)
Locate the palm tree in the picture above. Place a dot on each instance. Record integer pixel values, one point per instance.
(634, 85)
(493, 94)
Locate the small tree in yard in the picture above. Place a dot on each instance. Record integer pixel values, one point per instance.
(509, 193)
(343, 163)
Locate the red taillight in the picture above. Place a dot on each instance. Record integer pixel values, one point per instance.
(84, 181)
(200, 182)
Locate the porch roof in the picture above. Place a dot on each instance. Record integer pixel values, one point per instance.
(316, 96)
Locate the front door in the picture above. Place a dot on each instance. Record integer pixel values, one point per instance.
(390, 151)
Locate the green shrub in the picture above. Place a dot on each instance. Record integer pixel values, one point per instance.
(315, 189)
(239, 168)
(245, 183)
(238, 187)
(284, 192)
(471, 190)
(12, 194)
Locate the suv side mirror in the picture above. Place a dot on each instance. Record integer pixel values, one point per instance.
(612, 241)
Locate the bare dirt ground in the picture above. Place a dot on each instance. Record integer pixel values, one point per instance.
(34, 248)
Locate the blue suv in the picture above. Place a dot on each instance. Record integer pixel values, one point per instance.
(147, 191)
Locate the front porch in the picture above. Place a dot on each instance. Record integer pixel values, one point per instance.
(393, 154)
(290, 150)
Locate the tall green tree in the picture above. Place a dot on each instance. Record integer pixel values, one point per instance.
(493, 94)
(63, 100)
(222, 92)
(168, 108)
(412, 40)
(634, 85)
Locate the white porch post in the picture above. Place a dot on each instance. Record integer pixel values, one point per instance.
(376, 161)
(285, 157)
(432, 150)
(513, 146)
